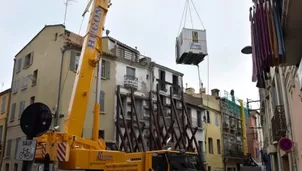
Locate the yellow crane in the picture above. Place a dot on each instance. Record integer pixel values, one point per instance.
(73, 152)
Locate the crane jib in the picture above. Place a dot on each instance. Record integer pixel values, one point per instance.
(94, 27)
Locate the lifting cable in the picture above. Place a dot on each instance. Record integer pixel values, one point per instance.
(187, 7)
(183, 20)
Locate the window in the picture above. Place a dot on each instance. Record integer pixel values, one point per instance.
(175, 84)
(7, 167)
(16, 167)
(18, 65)
(218, 147)
(1, 133)
(102, 101)
(3, 104)
(16, 145)
(8, 148)
(15, 86)
(74, 60)
(24, 83)
(162, 78)
(56, 36)
(216, 119)
(208, 117)
(210, 145)
(21, 107)
(199, 120)
(105, 70)
(102, 134)
(28, 60)
(35, 77)
(257, 152)
(12, 114)
(32, 99)
(189, 113)
(200, 143)
(139, 108)
(130, 71)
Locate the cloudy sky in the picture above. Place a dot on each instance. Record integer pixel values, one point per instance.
(152, 26)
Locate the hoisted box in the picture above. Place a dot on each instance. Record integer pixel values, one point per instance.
(191, 46)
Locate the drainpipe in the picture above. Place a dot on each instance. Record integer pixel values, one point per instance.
(57, 113)
(7, 115)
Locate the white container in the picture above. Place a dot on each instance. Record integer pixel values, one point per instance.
(191, 46)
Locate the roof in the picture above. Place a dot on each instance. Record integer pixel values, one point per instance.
(46, 26)
(167, 69)
(5, 92)
(121, 43)
(193, 101)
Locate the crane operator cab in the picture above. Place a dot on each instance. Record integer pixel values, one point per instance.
(176, 161)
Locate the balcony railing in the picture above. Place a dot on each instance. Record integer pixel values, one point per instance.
(126, 54)
(130, 81)
(233, 153)
(279, 123)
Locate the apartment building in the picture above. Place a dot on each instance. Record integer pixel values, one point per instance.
(276, 122)
(233, 131)
(197, 113)
(44, 71)
(140, 81)
(212, 128)
(4, 110)
(253, 136)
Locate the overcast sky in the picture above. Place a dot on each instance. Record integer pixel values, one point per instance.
(152, 26)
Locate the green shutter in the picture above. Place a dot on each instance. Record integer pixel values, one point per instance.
(72, 60)
(107, 69)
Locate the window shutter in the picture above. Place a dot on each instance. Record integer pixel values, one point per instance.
(72, 60)
(31, 58)
(3, 105)
(107, 69)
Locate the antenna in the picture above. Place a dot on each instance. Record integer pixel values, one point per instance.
(67, 2)
(2, 88)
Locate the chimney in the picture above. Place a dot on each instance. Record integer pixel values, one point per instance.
(202, 90)
(233, 95)
(190, 91)
(215, 92)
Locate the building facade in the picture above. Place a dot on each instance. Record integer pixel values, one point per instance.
(4, 110)
(49, 62)
(233, 131)
(253, 136)
(212, 129)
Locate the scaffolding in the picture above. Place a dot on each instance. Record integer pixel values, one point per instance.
(164, 116)
(233, 139)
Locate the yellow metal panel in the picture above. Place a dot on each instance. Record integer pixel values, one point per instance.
(243, 127)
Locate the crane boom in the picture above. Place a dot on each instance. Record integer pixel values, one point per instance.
(90, 55)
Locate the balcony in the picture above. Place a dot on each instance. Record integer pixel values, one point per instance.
(234, 153)
(278, 123)
(130, 81)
